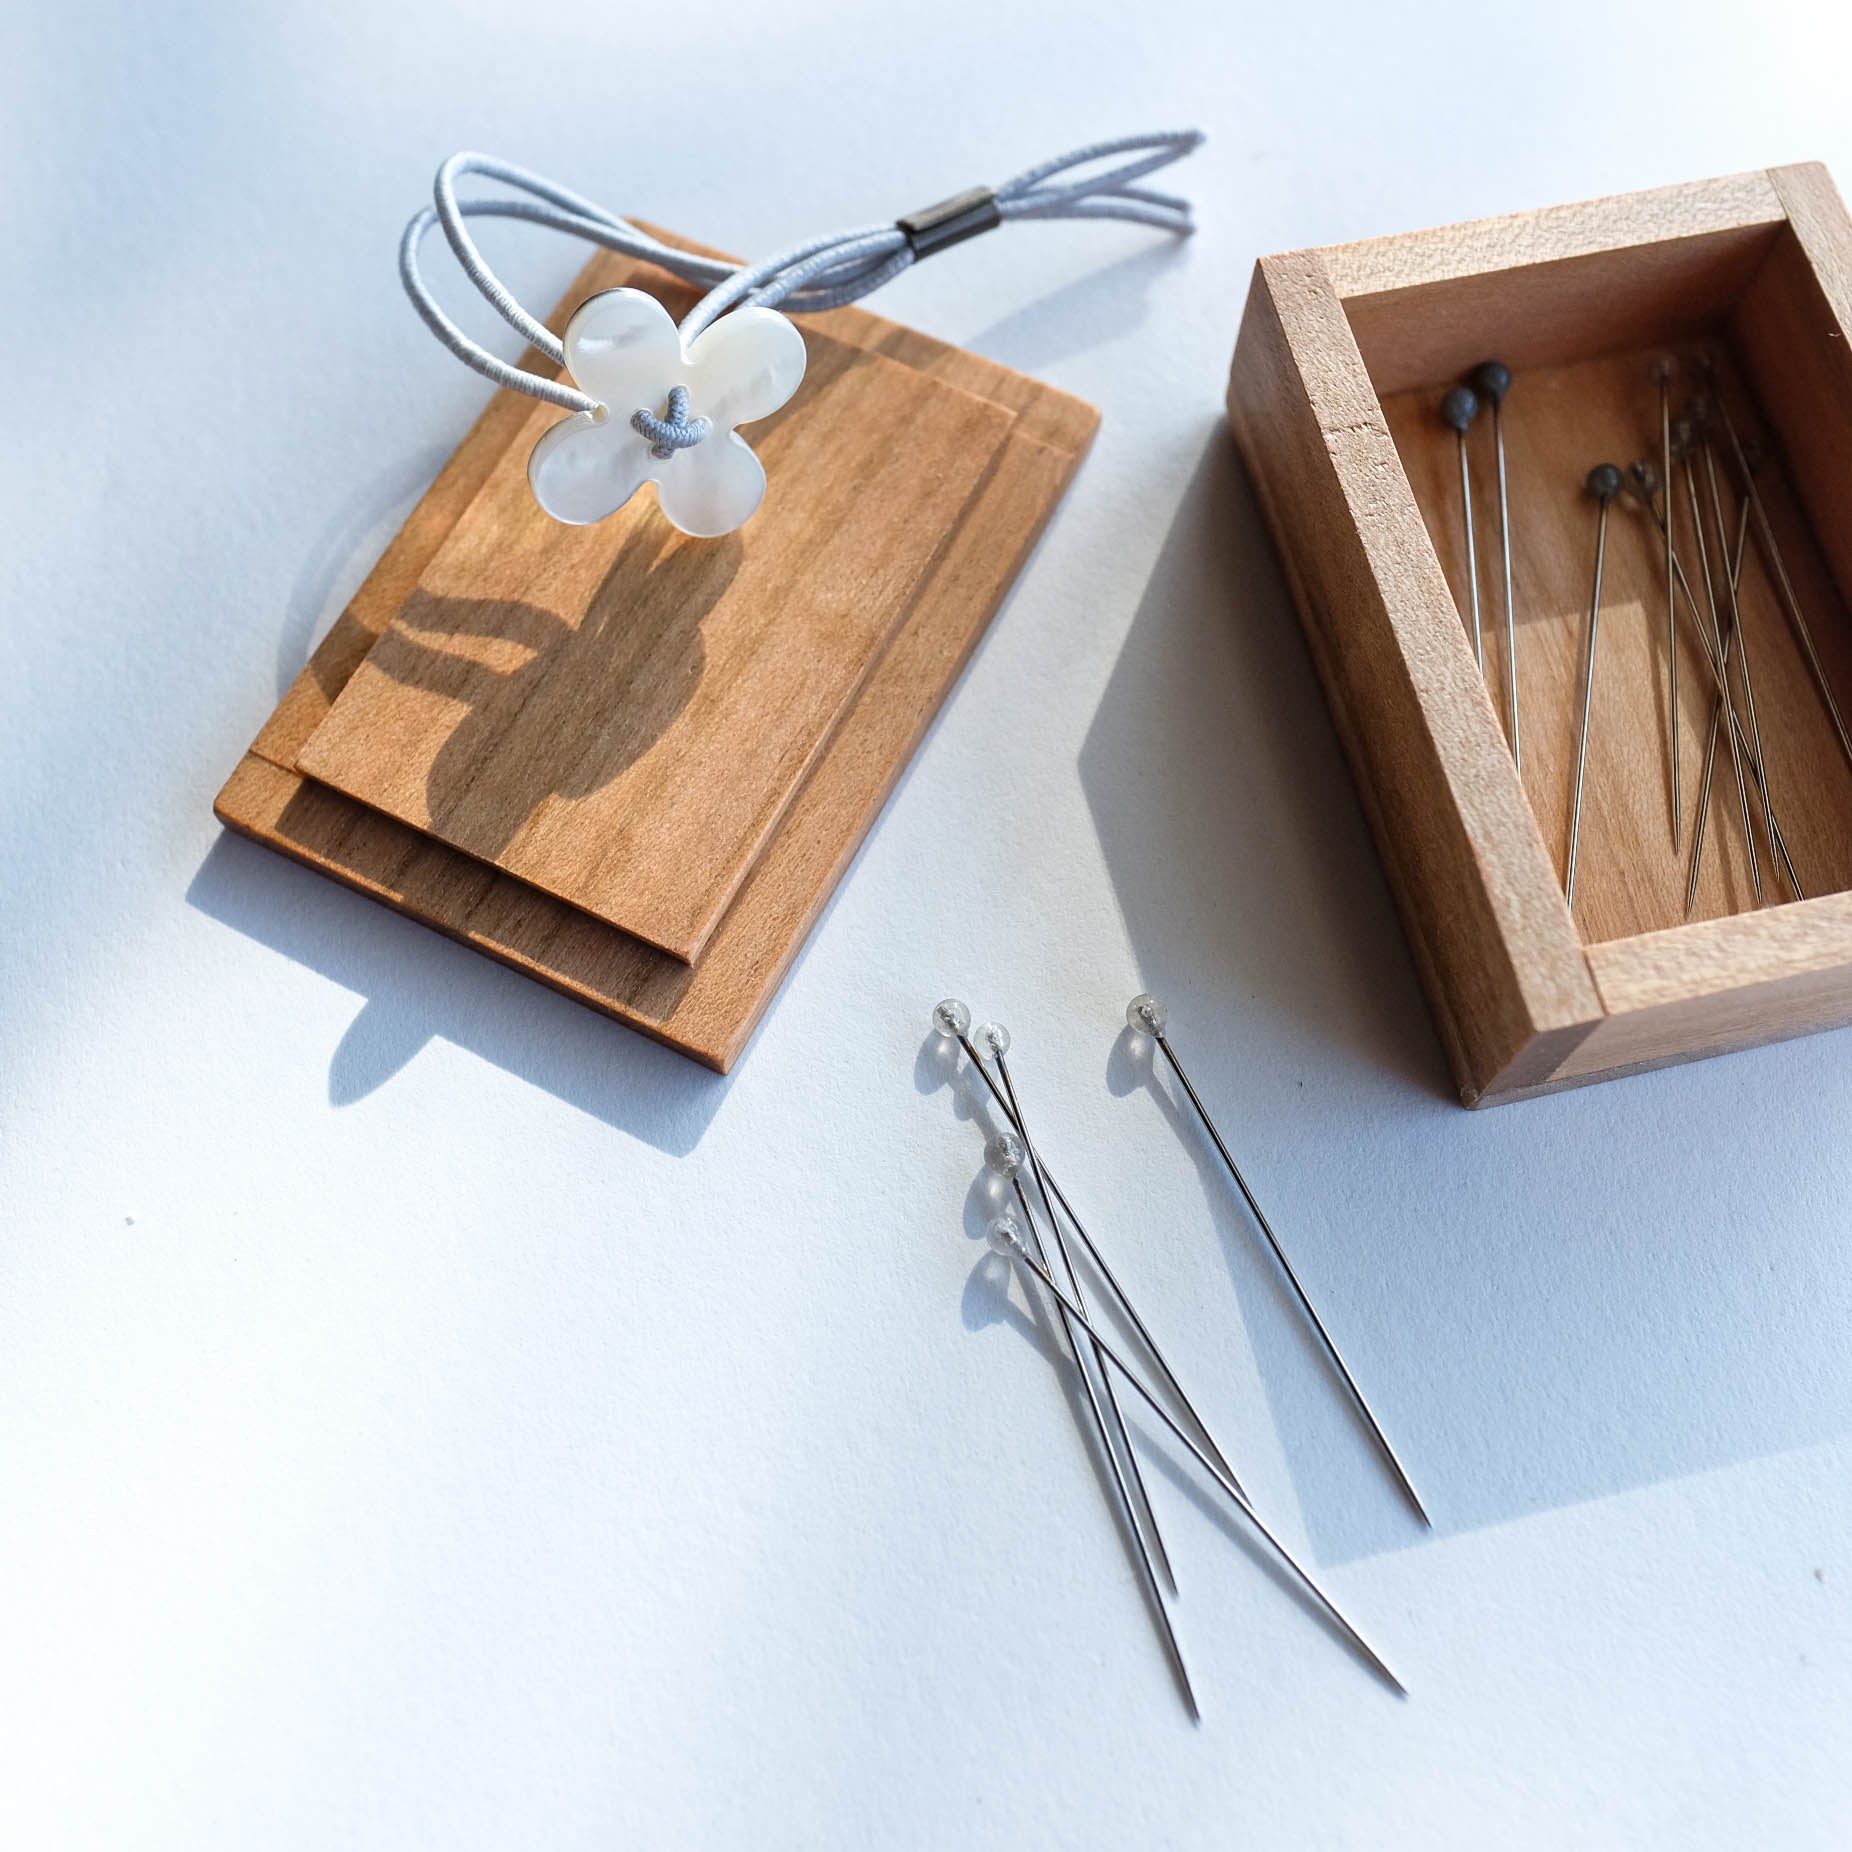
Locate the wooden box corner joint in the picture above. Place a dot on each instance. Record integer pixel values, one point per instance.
(1340, 362)
(633, 765)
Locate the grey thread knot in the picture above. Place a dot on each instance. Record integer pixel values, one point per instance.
(674, 431)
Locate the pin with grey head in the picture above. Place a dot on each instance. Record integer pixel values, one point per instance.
(1644, 484)
(1458, 410)
(1665, 369)
(952, 1019)
(1147, 1015)
(1006, 1238)
(1704, 419)
(1604, 483)
(1491, 381)
(1687, 445)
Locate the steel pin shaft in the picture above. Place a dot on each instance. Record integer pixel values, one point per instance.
(1069, 1322)
(1286, 1267)
(1112, 1400)
(1051, 1189)
(1604, 483)
(1796, 617)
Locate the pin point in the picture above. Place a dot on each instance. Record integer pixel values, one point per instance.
(1491, 381)
(1006, 1238)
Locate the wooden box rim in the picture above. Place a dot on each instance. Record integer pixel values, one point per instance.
(1534, 992)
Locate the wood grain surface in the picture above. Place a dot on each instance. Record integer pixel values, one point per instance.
(618, 714)
(707, 1010)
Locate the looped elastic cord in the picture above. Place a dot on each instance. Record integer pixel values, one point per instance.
(822, 273)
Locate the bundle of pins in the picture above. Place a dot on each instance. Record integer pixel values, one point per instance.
(1698, 485)
(1035, 1241)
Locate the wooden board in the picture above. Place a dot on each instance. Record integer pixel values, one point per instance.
(1341, 360)
(620, 715)
(707, 1010)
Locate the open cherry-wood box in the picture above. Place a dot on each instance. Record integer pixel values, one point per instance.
(1343, 356)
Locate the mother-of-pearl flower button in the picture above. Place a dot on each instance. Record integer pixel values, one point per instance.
(622, 349)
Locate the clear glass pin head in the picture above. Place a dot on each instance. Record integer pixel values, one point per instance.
(1146, 1014)
(1005, 1235)
(1004, 1155)
(951, 1017)
(992, 1041)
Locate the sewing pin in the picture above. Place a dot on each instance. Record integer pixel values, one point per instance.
(1005, 1237)
(1146, 1572)
(1492, 380)
(1796, 617)
(994, 1040)
(1710, 745)
(1458, 410)
(1003, 1158)
(952, 1018)
(1663, 373)
(1642, 485)
(1604, 483)
(1148, 1015)
(1685, 444)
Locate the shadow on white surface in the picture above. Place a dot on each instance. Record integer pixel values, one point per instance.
(344, 551)
(1103, 305)
(1224, 809)
(418, 986)
(1546, 1303)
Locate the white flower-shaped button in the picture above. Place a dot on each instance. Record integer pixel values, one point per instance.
(670, 413)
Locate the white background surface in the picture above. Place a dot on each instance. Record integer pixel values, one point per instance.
(430, 1416)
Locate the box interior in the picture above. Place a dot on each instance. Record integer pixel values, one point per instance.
(1581, 336)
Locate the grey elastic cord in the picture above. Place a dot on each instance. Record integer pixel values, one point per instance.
(822, 273)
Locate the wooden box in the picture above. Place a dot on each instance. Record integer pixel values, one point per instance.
(1342, 359)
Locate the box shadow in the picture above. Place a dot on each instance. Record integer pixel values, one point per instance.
(1546, 1304)
(417, 985)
